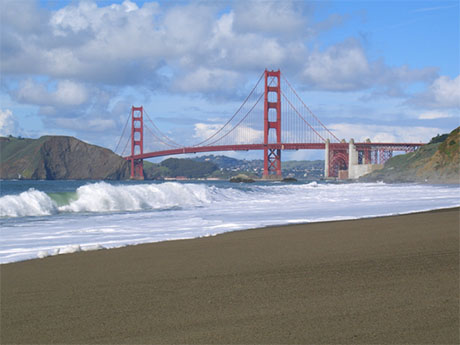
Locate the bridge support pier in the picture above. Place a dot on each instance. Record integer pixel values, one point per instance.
(272, 120)
(272, 162)
(137, 142)
(137, 169)
(357, 168)
(353, 160)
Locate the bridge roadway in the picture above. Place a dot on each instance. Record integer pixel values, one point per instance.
(283, 146)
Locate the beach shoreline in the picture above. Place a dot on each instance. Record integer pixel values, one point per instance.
(381, 279)
(76, 248)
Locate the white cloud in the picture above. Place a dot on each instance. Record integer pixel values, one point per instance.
(126, 44)
(72, 17)
(269, 17)
(341, 67)
(61, 62)
(67, 93)
(87, 15)
(24, 17)
(91, 124)
(207, 80)
(186, 29)
(101, 124)
(87, 47)
(431, 115)
(384, 134)
(404, 74)
(446, 91)
(110, 44)
(70, 93)
(31, 92)
(239, 135)
(346, 67)
(203, 130)
(443, 93)
(7, 122)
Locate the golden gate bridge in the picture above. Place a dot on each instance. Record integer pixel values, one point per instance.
(270, 119)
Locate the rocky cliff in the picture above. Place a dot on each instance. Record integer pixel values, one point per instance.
(58, 157)
(436, 162)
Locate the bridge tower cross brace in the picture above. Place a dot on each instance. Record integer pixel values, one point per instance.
(137, 142)
(272, 157)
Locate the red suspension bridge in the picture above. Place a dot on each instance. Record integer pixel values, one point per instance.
(270, 119)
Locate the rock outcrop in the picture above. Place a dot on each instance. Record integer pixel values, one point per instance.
(241, 178)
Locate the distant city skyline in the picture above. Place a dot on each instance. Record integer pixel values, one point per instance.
(384, 70)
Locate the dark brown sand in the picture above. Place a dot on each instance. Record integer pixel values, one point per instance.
(381, 280)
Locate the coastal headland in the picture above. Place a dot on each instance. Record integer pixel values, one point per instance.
(378, 280)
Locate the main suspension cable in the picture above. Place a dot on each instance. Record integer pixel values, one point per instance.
(122, 134)
(126, 145)
(245, 116)
(317, 119)
(158, 138)
(172, 142)
(302, 117)
(217, 132)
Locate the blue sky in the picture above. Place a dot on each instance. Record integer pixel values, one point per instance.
(384, 70)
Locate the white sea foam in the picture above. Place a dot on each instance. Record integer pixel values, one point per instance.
(75, 248)
(103, 215)
(42, 254)
(29, 203)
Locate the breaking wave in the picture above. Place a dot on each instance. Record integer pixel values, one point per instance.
(29, 203)
(104, 197)
(102, 215)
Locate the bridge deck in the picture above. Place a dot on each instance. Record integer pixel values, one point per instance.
(281, 146)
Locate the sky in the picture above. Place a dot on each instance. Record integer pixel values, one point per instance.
(384, 70)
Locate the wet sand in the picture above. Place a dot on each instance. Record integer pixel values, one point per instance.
(381, 280)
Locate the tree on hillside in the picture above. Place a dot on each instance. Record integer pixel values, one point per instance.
(188, 167)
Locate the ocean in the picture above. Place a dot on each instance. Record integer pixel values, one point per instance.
(44, 218)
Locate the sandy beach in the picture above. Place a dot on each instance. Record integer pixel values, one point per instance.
(381, 280)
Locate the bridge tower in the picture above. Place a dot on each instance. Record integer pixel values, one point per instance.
(272, 120)
(137, 142)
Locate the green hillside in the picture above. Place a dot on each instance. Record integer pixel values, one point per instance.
(436, 162)
(229, 167)
(58, 157)
(175, 167)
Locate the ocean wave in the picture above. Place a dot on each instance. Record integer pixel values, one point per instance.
(98, 215)
(28, 203)
(104, 197)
